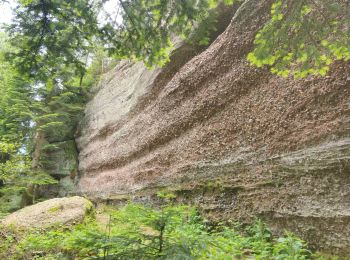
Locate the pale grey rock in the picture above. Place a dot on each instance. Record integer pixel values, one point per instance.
(53, 212)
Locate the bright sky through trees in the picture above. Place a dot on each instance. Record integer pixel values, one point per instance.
(110, 7)
(6, 12)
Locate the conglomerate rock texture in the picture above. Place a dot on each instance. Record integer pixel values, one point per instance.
(234, 140)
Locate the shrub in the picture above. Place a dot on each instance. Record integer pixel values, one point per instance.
(170, 232)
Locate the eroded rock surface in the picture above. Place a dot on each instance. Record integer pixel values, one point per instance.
(58, 211)
(236, 141)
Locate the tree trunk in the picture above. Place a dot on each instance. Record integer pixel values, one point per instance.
(39, 141)
(28, 196)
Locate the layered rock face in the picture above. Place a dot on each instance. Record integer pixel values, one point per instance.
(234, 140)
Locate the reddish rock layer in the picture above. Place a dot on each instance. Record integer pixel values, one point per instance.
(266, 146)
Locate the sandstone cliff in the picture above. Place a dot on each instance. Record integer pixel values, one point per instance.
(234, 140)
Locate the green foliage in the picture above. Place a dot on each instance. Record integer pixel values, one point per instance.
(35, 115)
(58, 111)
(15, 116)
(7, 240)
(290, 247)
(303, 37)
(15, 175)
(148, 26)
(17, 103)
(170, 232)
(50, 36)
(15, 99)
(100, 64)
(12, 167)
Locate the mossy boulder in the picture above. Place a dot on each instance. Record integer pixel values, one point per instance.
(53, 212)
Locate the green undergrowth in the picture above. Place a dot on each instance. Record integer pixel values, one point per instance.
(139, 232)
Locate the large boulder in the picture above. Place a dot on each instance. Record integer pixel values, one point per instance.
(58, 211)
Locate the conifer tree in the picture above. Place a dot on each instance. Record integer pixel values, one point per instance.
(303, 37)
(51, 35)
(16, 98)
